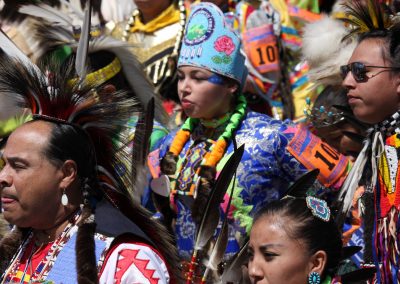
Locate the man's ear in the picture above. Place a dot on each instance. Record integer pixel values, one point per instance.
(318, 262)
(70, 173)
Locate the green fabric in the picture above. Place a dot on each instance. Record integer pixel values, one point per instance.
(62, 53)
(157, 134)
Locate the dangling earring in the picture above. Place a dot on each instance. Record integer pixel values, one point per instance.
(314, 278)
(64, 198)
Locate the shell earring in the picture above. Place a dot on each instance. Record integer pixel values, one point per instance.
(64, 198)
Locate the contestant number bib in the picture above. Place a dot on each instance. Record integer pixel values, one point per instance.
(261, 48)
(313, 153)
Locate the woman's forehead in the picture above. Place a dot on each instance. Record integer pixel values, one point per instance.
(194, 69)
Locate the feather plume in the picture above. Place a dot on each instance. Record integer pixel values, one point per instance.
(12, 50)
(87, 106)
(50, 37)
(83, 45)
(367, 17)
(9, 10)
(140, 147)
(221, 243)
(233, 271)
(210, 219)
(324, 50)
(47, 13)
(76, 11)
(211, 216)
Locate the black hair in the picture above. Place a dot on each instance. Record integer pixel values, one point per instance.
(301, 224)
(330, 96)
(390, 39)
(70, 142)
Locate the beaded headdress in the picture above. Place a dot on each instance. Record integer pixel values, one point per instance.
(210, 43)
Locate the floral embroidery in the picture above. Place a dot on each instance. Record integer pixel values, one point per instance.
(223, 44)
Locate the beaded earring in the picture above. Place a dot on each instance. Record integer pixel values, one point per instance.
(314, 278)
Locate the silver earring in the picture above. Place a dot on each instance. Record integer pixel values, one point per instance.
(64, 198)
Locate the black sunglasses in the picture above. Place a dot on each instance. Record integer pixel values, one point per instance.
(359, 70)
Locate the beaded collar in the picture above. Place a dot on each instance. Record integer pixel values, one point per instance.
(390, 125)
(45, 265)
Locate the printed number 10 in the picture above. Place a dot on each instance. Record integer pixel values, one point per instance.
(331, 153)
(269, 51)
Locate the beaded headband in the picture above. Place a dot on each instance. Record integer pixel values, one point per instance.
(102, 75)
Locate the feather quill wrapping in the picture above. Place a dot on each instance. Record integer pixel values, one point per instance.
(83, 45)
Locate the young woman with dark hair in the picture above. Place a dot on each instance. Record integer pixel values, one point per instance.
(294, 241)
(187, 163)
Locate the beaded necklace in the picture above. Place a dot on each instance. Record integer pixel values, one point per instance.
(179, 35)
(217, 150)
(45, 265)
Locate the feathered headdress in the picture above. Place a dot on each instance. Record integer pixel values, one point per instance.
(366, 17)
(58, 32)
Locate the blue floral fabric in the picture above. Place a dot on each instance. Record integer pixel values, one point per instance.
(264, 174)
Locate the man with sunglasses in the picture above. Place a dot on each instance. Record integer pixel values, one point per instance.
(372, 79)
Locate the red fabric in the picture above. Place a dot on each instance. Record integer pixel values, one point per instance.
(129, 259)
(37, 257)
(129, 255)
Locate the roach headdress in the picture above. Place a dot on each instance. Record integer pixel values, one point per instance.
(367, 16)
(60, 94)
(58, 34)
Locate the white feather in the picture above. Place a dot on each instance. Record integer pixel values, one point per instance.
(46, 12)
(324, 50)
(83, 45)
(9, 47)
